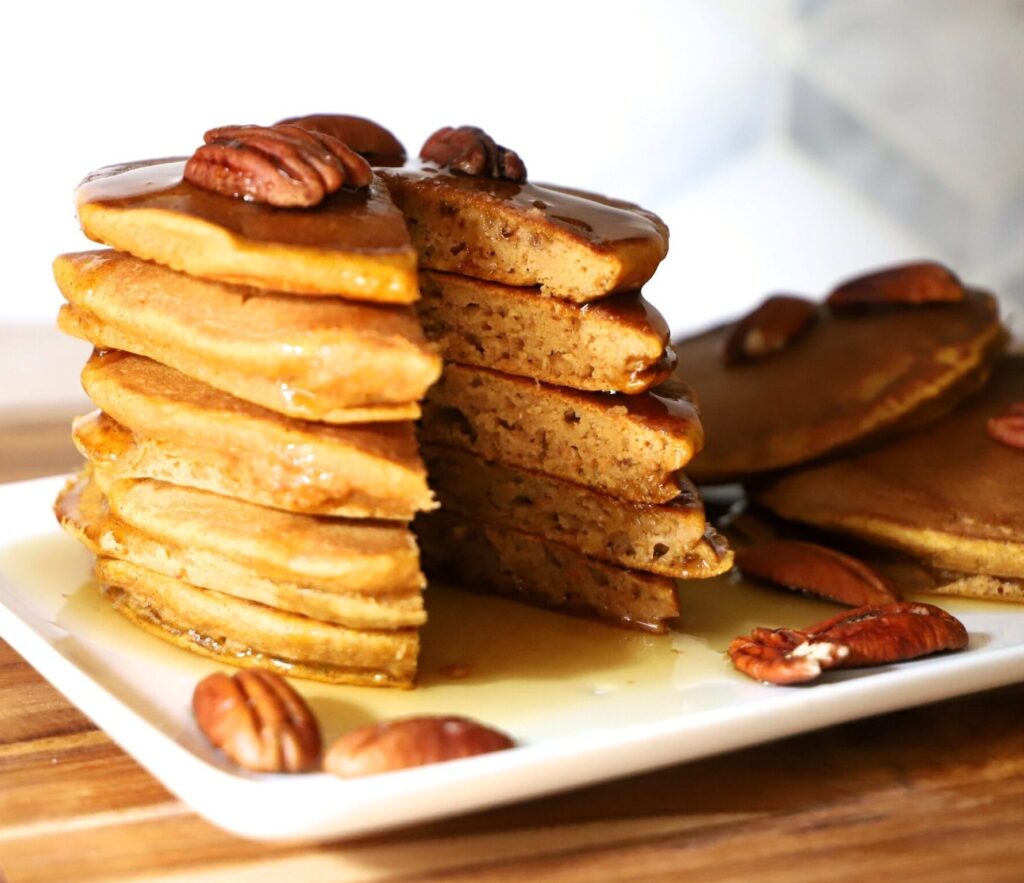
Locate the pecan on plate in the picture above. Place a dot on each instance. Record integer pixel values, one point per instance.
(1008, 427)
(471, 150)
(865, 636)
(769, 329)
(819, 570)
(258, 720)
(919, 283)
(369, 139)
(409, 742)
(285, 166)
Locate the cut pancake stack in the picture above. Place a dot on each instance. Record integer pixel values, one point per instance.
(556, 436)
(253, 466)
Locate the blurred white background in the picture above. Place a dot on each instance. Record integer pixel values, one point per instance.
(787, 144)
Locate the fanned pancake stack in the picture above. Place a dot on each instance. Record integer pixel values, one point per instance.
(253, 466)
(846, 378)
(557, 435)
(947, 495)
(885, 421)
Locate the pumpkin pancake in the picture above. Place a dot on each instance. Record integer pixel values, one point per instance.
(628, 446)
(158, 423)
(161, 543)
(652, 538)
(242, 633)
(618, 344)
(850, 377)
(333, 554)
(528, 568)
(352, 244)
(573, 245)
(947, 493)
(312, 358)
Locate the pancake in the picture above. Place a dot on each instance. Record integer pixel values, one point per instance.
(574, 245)
(618, 344)
(528, 568)
(332, 554)
(185, 432)
(353, 244)
(245, 634)
(847, 379)
(84, 512)
(628, 446)
(310, 358)
(946, 493)
(652, 538)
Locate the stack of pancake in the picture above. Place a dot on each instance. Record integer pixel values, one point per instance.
(870, 430)
(253, 466)
(556, 436)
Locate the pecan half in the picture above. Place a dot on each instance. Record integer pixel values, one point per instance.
(1008, 427)
(770, 328)
(285, 166)
(865, 636)
(258, 720)
(369, 139)
(415, 741)
(473, 151)
(920, 283)
(809, 567)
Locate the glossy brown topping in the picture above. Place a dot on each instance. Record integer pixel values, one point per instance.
(285, 166)
(920, 283)
(769, 329)
(1008, 427)
(471, 150)
(369, 139)
(362, 220)
(601, 222)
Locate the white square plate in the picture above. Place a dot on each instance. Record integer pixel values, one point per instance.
(584, 701)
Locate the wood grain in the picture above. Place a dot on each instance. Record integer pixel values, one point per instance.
(933, 793)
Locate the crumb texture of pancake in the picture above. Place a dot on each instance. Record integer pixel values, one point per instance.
(529, 568)
(246, 634)
(84, 512)
(618, 344)
(848, 379)
(311, 358)
(354, 244)
(629, 446)
(946, 493)
(573, 245)
(653, 538)
(228, 445)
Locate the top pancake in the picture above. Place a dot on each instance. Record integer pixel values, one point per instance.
(946, 493)
(847, 378)
(574, 245)
(352, 244)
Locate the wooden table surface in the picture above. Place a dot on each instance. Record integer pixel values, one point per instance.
(933, 793)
